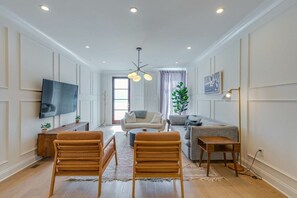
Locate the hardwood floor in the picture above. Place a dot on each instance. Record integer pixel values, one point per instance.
(34, 182)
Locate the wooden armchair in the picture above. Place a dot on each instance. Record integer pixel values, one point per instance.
(82, 154)
(157, 155)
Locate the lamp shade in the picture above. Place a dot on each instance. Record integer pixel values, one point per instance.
(147, 77)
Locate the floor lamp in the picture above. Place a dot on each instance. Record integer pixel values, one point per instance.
(228, 95)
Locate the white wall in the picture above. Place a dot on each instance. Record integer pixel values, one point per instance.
(25, 59)
(265, 53)
(144, 95)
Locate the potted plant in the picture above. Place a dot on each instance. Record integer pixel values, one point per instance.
(45, 126)
(77, 118)
(180, 98)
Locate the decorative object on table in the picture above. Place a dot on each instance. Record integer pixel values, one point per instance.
(228, 95)
(77, 118)
(134, 75)
(213, 83)
(45, 127)
(180, 98)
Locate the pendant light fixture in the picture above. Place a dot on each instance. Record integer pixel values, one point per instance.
(134, 75)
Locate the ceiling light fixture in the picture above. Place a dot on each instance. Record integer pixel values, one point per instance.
(220, 10)
(134, 75)
(88, 47)
(176, 62)
(103, 62)
(133, 10)
(188, 48)
(44, 7)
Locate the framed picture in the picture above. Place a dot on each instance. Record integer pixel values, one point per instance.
(213, 83)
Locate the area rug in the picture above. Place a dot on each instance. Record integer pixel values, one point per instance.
(123, 171)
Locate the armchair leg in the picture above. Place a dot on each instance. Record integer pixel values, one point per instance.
(127, 133)
(115, 154)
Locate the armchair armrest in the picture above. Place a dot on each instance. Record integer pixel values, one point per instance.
(123, 121)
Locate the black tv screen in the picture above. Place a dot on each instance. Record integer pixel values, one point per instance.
(57, 98)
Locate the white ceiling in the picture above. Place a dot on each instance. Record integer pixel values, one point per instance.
(163, 28)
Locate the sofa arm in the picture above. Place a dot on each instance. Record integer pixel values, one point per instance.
(163, 124)
(123, 121)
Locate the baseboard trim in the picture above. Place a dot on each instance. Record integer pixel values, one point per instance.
(18, 167)
(272, 180)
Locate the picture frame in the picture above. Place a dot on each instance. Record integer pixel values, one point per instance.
(213, 83)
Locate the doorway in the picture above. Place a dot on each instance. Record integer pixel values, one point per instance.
(120, 98)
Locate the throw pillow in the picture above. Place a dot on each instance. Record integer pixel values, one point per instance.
(187, 135)
(130, 117)
(194, 118)
(157, 118)
(140, 114)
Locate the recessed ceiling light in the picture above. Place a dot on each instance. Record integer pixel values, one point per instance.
(88, 47)
(44, 7)
(176, 62)
(220, 10)
(103, 62)
(133, 10)
(189, 47)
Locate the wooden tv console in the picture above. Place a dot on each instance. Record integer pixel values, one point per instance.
(45, 146)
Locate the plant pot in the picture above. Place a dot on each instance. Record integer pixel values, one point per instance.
(43, 130)
(77, 121)
(177, 119)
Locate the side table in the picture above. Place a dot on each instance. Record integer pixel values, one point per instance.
(212, 144)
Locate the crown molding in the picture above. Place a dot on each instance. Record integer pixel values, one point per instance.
(36, 32)
(255, 16)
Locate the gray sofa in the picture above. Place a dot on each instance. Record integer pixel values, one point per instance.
(209, 127)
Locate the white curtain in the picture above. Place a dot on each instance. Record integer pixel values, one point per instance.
(169, 80)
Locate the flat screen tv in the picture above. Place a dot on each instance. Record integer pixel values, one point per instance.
(57, 98)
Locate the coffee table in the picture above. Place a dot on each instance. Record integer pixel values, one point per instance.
(133, 132)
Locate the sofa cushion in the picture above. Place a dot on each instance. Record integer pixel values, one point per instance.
(177, 119)
(130, 117)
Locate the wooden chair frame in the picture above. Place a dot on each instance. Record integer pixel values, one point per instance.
(153, 147)
(72, 145)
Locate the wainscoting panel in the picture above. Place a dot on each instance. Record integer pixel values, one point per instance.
(204, 108)
(3, 57)
(272, 127)
(3, 131)
(227, 60)
(30, 125)
(33, 70)
(67, 70)
(273, 52)
(203, 70)
(85, 110)
(85, 81)
(226, 111)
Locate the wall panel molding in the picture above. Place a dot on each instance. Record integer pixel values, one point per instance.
(4, 77)
(42, 66)
(4, 136)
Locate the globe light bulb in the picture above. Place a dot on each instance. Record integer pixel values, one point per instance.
(228, 95)
(147, 77)
(132, 75)
(136, 78)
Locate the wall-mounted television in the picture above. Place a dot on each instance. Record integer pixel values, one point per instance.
(57, 98)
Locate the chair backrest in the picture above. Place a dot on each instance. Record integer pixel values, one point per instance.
(158, 153)
(78, 153)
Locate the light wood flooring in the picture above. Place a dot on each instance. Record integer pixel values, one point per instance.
(34, 182)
